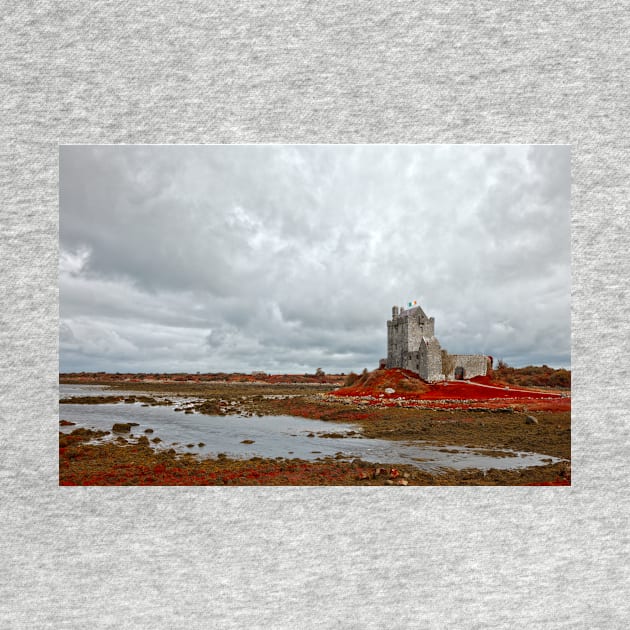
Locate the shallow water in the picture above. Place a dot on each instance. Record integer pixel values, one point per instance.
(273, 436)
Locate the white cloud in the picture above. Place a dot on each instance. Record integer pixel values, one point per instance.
(286, 258)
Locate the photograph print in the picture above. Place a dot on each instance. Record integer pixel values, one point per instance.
(339, 315)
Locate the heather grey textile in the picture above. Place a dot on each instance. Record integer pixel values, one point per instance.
(234, 72)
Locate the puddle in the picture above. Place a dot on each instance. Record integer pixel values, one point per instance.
(275, 436)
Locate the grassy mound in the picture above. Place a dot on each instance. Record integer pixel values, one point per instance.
(376, 382)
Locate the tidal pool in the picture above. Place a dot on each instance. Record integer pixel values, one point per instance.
(273, 436)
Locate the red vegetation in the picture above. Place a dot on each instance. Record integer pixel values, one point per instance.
(375, 383)
(83, 464)
(409, 387)
(196, 475)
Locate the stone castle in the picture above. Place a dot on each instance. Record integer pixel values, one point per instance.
(411, 344)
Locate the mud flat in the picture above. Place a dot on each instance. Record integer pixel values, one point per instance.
(521, 424)
(128, 462)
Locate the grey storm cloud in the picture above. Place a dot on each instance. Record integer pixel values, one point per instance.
(289, 258)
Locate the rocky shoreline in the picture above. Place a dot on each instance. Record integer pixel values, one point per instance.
(128, 461)
(136, 461)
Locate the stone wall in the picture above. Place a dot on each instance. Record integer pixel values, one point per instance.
(473, 365)
(397, 345)
(430, 360)
(410, 361)
(417, 329)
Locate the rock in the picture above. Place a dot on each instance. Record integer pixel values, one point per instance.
(121, 427)
(389, 390)
(247, 441)
(530, 420)
(393, 473)
(148, 430)
(380, 471)
(402, 482)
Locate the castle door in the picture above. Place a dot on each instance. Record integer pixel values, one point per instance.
(459, 373)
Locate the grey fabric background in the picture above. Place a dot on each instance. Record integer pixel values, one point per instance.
(109, 72)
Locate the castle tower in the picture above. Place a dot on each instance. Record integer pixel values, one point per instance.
(404, 332)
(412, 345)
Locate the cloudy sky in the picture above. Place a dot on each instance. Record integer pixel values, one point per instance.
(289, 258)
